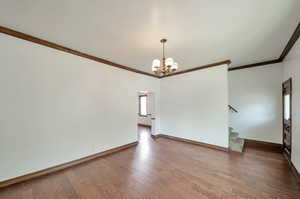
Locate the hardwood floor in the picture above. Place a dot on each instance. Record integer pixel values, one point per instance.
(164, 168)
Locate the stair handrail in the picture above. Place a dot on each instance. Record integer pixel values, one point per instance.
(233, 109)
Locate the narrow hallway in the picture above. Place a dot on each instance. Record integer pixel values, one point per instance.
(144, 134)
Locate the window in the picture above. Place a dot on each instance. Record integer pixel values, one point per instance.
(143, 105)
(287, 107)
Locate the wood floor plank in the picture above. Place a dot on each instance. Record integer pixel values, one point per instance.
(164, 169)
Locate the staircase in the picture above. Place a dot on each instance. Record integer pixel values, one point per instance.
(235, 142)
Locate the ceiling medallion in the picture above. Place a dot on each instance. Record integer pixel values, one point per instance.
(168, 65)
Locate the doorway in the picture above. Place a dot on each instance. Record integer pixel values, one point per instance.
(287, 118)
(146, 113)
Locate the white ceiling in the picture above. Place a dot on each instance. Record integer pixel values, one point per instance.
(128, 32)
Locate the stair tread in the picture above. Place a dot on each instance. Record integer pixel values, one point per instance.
(237, 144)
(233, 135)
(240, 140)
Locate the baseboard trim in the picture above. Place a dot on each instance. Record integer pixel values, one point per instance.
(211, 146)
(64, 166)
(262, 143)
(293, 169)
(144, 125)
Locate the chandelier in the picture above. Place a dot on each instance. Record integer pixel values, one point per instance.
(168, 65)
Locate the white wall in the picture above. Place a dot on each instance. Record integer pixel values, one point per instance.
(291, 67)
(56, 107)
(256, 94)
(194, 106)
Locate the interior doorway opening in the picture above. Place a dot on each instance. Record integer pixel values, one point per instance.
(146, 114)
(287, 118)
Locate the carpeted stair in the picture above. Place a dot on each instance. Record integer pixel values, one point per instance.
(235, 142)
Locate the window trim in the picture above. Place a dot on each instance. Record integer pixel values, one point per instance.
(141, 115)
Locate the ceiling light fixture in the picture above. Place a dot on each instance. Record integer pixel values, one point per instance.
(168, 65)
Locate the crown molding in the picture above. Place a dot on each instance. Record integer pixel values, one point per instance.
(295, 36)
(49, 44)
(33, 39)
(198, 68)
(274, 61)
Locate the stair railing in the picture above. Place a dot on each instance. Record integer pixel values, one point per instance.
(232, 109)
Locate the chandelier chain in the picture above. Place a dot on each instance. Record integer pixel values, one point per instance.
(163, 49)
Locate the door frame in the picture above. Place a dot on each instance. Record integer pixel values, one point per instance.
(151, 112)
(291, 91)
